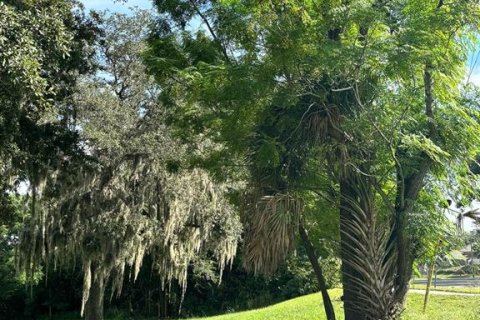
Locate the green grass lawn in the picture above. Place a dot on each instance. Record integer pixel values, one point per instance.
(310, 307)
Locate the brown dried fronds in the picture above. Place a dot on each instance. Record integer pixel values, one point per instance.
(270, 235)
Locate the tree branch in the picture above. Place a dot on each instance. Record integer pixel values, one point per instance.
(327, 302)
(210, 29)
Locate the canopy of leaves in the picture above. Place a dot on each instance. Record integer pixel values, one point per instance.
(124, 200)
(368, 92)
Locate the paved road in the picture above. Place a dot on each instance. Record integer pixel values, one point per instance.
(453, 282)
(445, 293)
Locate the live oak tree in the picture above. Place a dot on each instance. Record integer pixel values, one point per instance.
(372, 91)
(130, 194)
(44, 47)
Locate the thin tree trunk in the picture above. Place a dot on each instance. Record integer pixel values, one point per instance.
(94, 304)
(162, 304)
(327, 302)
(49, 302)
(149, 303)
(431, 268)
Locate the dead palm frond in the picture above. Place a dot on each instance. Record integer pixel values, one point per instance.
(318, 126)
(272, 222)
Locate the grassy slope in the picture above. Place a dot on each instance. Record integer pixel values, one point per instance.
(309, 307)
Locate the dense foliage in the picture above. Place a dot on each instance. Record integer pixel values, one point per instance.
(106, 186)
(124, 200)
(367, 96)
(139, 153)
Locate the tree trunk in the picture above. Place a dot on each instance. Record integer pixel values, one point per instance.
(431, 269)
(404, 260)
(368, 261)
(327, 303)
(162, 304)
(94, 304)
(408, 188)
(350, 277)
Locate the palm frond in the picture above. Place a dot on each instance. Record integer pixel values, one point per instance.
(270, 235)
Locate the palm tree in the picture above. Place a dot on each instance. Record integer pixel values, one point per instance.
(273, 223)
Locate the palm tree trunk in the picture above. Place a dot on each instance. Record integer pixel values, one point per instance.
(327, 302)
(351, 289)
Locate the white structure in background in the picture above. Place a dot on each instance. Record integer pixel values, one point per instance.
(467, 219)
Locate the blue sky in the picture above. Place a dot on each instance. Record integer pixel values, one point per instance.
(116, 6)
(474, 60)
